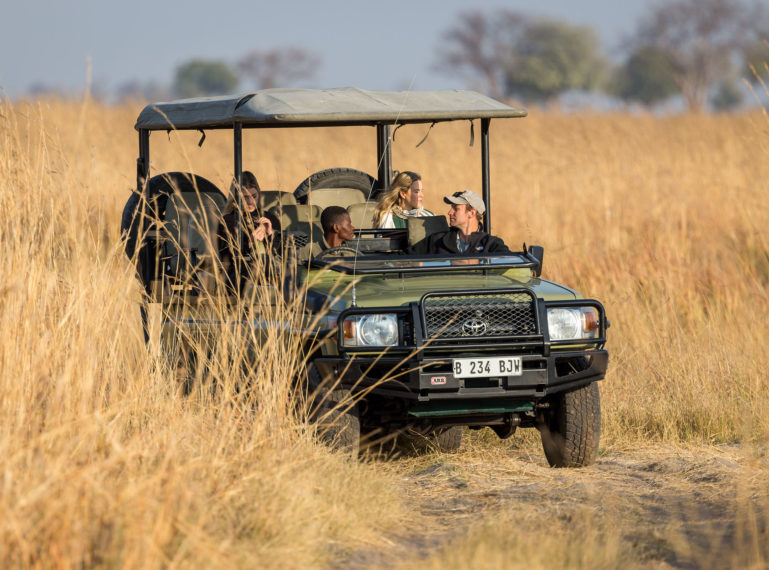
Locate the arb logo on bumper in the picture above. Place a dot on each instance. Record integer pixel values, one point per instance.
(438, 380)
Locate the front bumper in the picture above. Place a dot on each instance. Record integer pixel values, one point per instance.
(430, 379)
(440, 327)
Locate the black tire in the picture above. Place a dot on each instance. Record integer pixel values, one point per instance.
(133, 226)
(571, 427)
(336, 178)
(182, 361)
(445, 440)
(335, 413)
(449, 440)
(129, 224)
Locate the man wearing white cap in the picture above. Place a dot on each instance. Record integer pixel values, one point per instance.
(464, 237)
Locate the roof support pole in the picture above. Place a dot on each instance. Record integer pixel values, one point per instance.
(485, 172)
(238, 167)
(145, 261)
(237, 131)
(142, 176)
(143, 162)
(384, 156)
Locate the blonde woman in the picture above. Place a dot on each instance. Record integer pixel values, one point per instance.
(402, 200)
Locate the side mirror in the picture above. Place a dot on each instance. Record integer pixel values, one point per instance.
(537, 252)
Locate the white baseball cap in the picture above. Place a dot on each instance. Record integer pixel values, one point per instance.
(467, 197)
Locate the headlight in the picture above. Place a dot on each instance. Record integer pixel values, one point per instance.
(371, 330)
(566, 323)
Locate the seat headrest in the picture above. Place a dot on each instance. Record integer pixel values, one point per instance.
(292, 214)
(325, 197)
(362, 215)
(420, 228)
(275, 198)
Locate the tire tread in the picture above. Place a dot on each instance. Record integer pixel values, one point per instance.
(571, 437)
(339, 177)
(336, 415)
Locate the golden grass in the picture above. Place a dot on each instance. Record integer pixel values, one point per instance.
(105, 464)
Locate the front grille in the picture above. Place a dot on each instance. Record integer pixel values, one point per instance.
(479, 315)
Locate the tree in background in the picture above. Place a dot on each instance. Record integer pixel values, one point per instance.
(757, 60)
(506, 53)
(200, 78)
(647, 77)
(279, 67)
(551, 57)
(701, 39)
(479, 48)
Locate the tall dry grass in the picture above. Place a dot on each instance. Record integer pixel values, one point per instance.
(106, 464)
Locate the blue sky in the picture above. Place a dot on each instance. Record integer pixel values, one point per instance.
(372, 45)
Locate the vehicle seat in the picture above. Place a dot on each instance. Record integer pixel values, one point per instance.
(362, 214)
(292, 215)
(325, 197)
(269, 199)
(306, 239)
(191, 222)
(420, 228)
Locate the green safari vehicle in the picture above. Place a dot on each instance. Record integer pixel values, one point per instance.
(413, 347)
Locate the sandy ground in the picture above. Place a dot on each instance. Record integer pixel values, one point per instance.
(670, 507)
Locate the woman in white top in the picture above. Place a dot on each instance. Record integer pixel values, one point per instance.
(402, 200)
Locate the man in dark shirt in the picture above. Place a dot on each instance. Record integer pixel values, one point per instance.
(464, 237)
(337, 231)
(337, 226)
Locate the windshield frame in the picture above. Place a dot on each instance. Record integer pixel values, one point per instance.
(436, 263)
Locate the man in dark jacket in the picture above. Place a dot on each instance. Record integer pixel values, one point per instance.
(464, 237)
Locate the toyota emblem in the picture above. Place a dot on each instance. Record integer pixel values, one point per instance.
(474, 327)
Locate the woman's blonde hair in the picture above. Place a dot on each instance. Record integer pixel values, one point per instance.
(401, 182)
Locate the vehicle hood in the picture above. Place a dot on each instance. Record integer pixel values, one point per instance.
(335, 291)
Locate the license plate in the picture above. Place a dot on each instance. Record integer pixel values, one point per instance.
(483, 367)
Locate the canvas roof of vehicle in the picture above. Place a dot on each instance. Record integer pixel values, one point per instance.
(322, 107)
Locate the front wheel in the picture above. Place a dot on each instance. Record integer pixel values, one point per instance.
(335, 412)
(571, 427)
(445, 440)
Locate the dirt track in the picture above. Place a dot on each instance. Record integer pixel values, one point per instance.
(671, 506)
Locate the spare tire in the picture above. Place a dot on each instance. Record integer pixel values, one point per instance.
(336, 178)
(159, 188)
(129, 224)
(133, 226)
